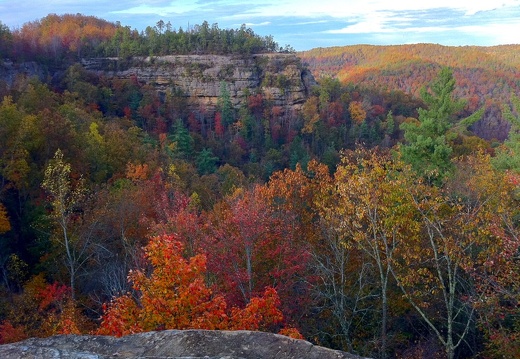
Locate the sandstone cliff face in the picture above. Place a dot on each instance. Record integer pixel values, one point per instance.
(172, 344)
(279, 77)
(9, 71)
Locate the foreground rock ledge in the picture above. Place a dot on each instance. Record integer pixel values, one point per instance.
(185, 344)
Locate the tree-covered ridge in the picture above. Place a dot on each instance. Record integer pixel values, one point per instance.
(163, 39)
(56, 38)
(373, 56)
(485, 75)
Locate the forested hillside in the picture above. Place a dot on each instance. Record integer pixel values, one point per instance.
(486, 76)
(367, 218)
(58, 38)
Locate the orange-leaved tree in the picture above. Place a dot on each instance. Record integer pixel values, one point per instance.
(175, 296)
(357, 112)
(42, 309)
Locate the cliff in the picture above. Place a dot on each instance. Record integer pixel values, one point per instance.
(281, 78)
(172, 344)
(9, 71)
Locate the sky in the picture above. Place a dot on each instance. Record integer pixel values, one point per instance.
(305, 24)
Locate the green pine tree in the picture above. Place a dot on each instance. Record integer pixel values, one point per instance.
(427, 145)
(224, 105)
(183, 142)
(206, 162)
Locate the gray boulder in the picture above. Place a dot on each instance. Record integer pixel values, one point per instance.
(185, 344)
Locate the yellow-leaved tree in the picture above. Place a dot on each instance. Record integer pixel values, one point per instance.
(5, 225)
(368, 210)
(446, 271)
(65, 197)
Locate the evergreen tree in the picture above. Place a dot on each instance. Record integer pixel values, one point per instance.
(206, 162)
(427, 146)
(390, 124)
(5, 40)
(298, 153)
(183, 141)
(364, 133)
(224, 105)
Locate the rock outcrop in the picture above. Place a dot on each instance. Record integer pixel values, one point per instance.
(171, 344)
(9, 71)
(281, 78)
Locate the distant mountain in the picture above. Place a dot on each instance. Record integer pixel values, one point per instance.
(485, 75)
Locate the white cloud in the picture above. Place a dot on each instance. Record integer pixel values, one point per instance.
(372, 23)
(371, 28)
(350, 9)
(145, 9)
(265, 23)
(503, 33)
(421, 19)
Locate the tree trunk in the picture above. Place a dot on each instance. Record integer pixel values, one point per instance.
(384, 319)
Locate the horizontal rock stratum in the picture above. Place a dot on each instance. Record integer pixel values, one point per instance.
(185, 344)
(280, 78)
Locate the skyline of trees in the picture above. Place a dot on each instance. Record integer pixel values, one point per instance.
(59, 40)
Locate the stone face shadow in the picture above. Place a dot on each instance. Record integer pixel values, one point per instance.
(171, 344)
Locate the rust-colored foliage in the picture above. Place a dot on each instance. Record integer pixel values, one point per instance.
(485, 75)
(219, 127)
(291, 333)
(497, 280)
(137, 172)
(5, 225)
(255, 102)
(41, 310)
(55, 34)
(10, 333)
(175, 296)
(465, 228)
(250, 247)
(292, 192)
(259, 314)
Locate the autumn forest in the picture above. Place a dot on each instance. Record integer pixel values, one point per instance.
(380, 217)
